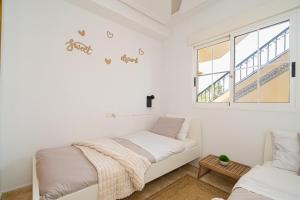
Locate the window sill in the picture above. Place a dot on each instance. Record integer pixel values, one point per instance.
(267, 107)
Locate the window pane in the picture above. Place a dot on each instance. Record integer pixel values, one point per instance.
(246, 67)
(268, 80)
(274, 75)
(213, 88)
(271, 32)
(204, 89)
(221, 57)
(221, 87)
(213, 73)
(204, 61)
(274, 81)
(245, 45)
(245, 90)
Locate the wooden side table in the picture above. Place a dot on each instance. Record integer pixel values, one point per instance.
(233, 170)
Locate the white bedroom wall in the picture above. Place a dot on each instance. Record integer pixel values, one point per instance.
(238, 133)
(51, 97)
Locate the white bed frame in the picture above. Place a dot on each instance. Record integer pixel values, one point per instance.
(155, 170)
(268, 151)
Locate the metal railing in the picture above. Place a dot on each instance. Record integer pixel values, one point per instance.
(245, 68)
(249, 65)
(215, 90)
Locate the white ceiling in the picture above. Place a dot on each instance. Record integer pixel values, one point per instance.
(160, 10)
(152, 17)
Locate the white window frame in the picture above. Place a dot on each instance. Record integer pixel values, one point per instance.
(211, 43)
(292, 17)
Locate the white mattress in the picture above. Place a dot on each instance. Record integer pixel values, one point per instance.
(159, 146)
(271, 182)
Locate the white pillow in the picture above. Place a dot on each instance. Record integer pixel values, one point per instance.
(184, 128)
(286, 150)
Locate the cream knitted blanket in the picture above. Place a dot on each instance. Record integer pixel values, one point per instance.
(120, 170)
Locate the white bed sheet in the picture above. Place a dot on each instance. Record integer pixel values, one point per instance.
(272, 182)
(159, 146)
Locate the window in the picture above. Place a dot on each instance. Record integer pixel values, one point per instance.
(262, 65)
(213, 73)
(249, 66)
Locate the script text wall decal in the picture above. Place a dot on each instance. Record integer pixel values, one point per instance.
(127, 59)
(71, 45)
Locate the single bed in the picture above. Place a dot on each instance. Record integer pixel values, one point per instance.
(266, 179)
(164, 163)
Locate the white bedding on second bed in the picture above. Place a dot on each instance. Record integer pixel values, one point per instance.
(271, 182)
(159, 146)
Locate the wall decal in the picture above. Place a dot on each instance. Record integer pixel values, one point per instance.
(71, 44)
(81, 32)
(127, 59)
(109, 34)
(107, 61)
(141, 52)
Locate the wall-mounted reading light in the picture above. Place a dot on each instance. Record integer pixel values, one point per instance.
(149, 101)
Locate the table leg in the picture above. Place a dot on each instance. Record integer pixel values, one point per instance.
(202, 171)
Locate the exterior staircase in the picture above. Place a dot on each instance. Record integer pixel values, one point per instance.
(246, 72)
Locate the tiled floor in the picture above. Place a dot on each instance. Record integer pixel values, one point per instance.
(150, 188)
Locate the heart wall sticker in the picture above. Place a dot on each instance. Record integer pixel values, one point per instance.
(107, 61)
(81, 32)
(109, 34)
(141, 51)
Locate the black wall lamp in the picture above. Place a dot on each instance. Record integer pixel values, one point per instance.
(149, 101)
